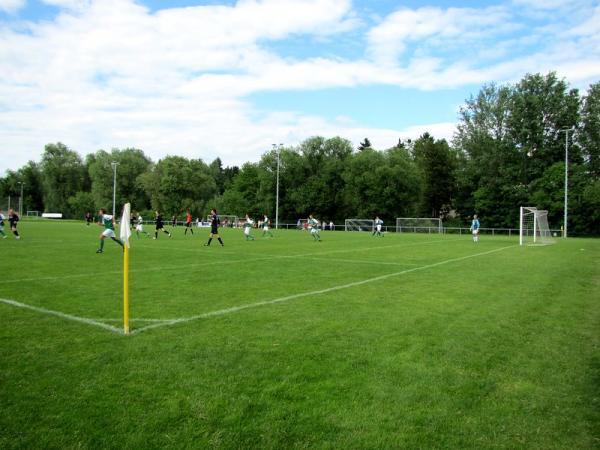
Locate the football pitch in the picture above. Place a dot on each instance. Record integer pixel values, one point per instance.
(405, 341)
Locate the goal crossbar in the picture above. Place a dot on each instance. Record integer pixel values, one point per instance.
(419, 224)
(533, 227)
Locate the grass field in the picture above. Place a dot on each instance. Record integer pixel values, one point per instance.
(407, 341)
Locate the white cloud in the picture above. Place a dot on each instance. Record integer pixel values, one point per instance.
(110, 73)
(11, 6)
(433, 26)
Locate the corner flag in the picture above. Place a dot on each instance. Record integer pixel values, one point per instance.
(125, 234)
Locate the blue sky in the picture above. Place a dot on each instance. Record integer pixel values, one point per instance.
(228, 78)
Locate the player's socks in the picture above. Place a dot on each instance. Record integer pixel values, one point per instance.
(16, 233)
(208, 243)
(118, 241)
(101, 249)
(222, 245)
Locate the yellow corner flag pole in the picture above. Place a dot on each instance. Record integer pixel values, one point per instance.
(126, 290)
(125, 234)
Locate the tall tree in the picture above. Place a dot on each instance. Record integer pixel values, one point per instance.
(131, 164)
(63, 175)
(589, 135)
(175, 184)
(437, 163)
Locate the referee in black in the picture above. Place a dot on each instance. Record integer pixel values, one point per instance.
(13, 218)
(159, 225)
(214, 228)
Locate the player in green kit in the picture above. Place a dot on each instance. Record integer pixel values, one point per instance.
(248, 224)
(378, 224)
(139, 227)
(313, 225)
(265, 227)
(108, 222)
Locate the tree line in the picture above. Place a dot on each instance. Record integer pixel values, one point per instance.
(508, 151)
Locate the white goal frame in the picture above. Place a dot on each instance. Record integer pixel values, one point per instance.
(232, 221)
(33, 214)
(359, 225)
(419, 225)
(533, 223)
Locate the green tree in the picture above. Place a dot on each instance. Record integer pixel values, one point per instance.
(437, 163)
(63, 175)
(132, 163)
(175, 184)
(589, 135)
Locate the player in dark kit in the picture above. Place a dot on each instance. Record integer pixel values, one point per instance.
(13, 218)
(214, 228)
(88, 218)
(159, 226)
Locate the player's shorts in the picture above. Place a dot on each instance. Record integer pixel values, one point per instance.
(139, 228)
(265, 228)
(188, 224)
(379, 228)
(314, 230)
(475, 231)
(109, 233)
(214, 230)
(159, 227)
(247, 231)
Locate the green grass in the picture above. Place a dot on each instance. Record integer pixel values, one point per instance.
(496, 347)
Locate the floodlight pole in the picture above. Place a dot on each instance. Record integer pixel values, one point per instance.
(21, 199)
(277, 191)
(566, 207)
(114, 166)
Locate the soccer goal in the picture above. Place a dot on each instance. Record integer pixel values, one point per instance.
(359, 225)
(226, 220)
(533, 227)
(33, 214)
(418, 225)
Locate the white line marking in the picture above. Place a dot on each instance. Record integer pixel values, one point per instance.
(131, 319)
(316, 292)
(188, 266)
(356, 261)
(62, 315)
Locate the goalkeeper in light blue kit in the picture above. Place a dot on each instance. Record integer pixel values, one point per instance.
(313, 226)
(475, 228)
(378, 223)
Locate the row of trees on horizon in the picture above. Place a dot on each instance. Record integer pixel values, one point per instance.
(508, 151)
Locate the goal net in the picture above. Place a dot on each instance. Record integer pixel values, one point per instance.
(418, 225)
(226, 220)
(33, 213)
(533, 227)
(359, 225)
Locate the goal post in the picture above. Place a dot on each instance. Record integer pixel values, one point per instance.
(533, 227)
(359, 225)
(418, 225)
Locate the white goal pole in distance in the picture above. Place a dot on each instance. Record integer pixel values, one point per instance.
(521, 225)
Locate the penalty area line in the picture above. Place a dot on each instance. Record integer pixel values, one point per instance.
(62, 315)
(234, 309)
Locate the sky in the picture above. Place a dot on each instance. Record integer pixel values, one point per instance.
(207, 79)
